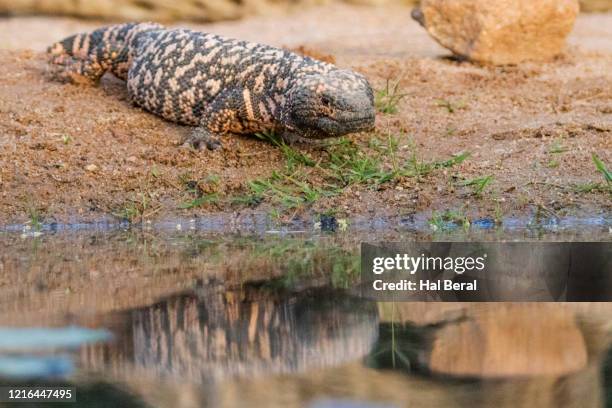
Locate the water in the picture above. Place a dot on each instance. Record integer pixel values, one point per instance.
(205, 317)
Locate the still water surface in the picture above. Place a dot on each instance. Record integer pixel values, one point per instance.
(195, 319)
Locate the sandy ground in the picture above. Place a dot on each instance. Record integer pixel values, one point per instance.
(78, 153)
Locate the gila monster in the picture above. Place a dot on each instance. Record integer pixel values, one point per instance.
(219, 85)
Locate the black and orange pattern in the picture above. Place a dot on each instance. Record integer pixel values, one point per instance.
(218, 84)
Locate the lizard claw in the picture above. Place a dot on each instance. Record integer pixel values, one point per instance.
(200, 137)
(213, 144)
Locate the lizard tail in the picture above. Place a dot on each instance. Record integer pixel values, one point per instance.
(84, 44)
(68, 46)
(86, 57)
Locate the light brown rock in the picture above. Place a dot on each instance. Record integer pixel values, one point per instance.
(510, 339)
(499, 32)
(595, 5)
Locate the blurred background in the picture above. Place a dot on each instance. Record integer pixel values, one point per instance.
(194, 10)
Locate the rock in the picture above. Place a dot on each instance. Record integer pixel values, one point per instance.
(91, 168)
(595, 5)
(510, 340)
(499, 32)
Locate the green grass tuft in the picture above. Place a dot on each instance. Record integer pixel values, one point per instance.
(387, 100)
(138, 208)
(200, 201)
(293, 156)
(557, 148)
(451, 107)
(202, 191)
(552, 164)
(478, 184)
(589, 188)
(302, 181)
(601, 167)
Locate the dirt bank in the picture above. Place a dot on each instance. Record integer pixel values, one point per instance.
(70, 152)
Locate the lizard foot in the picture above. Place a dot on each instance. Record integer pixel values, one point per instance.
(201, 137)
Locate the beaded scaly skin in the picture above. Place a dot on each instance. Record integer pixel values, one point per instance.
(217, 84)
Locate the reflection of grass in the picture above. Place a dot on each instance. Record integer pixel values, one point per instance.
(302, 260)
(284, 262)
(397, 347)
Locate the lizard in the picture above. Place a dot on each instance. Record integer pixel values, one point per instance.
(219, 85)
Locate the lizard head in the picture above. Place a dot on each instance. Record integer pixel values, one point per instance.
(331, 104)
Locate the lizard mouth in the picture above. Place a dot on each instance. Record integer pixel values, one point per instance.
(357, 121)
(315, 125)
(326, 126)
(348, 122)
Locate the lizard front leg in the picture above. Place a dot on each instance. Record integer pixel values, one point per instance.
(231, 111)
